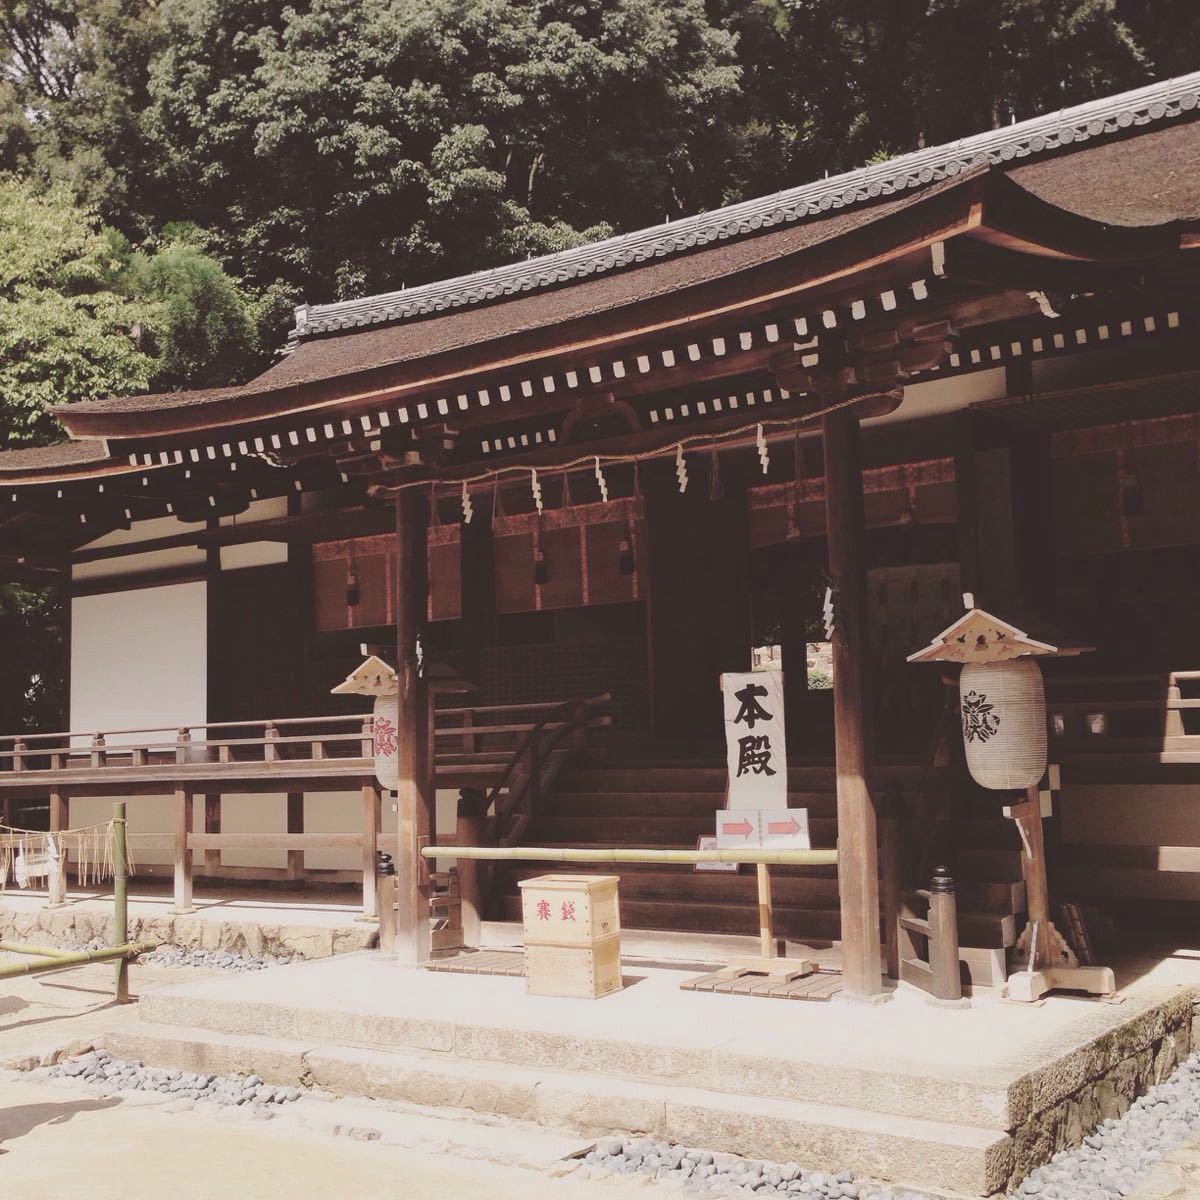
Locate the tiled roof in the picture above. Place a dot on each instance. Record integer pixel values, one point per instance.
(1035, 137)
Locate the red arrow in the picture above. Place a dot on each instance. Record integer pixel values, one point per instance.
(788, 826)
(743, 827)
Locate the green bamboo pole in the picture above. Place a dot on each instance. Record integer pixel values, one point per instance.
(120, 899)
(40, 951)
(808, 858)
(75, 958)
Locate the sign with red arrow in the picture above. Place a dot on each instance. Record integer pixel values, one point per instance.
(762, 828)
(738, 829)
(786, 830)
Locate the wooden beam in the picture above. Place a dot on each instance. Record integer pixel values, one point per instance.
(415, 795)
(858, 883)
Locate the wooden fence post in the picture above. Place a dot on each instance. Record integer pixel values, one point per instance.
(891, 869)
(183, 853)
(212, 824)
(370, 844)
(60, 819)
(470, 872)
(943, 937)
(414, 736)
(295, 824)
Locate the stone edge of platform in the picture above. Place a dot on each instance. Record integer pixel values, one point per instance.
(250, 937)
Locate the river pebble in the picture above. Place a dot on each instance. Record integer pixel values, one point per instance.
(1107, 1166)
(99, 1069)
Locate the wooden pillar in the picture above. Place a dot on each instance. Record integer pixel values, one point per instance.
(470, 830)
(183, 854)
(858, 883)
(370, 843)
(60, 819)
(415, 793)
(295, 824)
(212, 824)
(965, 486)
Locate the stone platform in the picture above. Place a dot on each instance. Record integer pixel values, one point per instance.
(963, 1102)
(304, 924)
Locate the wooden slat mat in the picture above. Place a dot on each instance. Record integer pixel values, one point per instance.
(481, 962)
(823, 985)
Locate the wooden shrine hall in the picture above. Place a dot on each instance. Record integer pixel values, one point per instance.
(562, 496)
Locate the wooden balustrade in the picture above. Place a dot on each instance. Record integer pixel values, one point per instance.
(503, 751)
(1131, 714)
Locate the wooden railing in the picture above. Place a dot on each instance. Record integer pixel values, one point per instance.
(1131, 714)
(71, 755)
(509, 753)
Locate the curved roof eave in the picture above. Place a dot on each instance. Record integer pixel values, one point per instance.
(1036, 136)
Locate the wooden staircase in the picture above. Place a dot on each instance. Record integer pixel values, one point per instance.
(664, 804)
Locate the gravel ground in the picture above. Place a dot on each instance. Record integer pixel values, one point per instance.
(98, 1069)
(702, 1170)
(1121, 1151)
(1107, 1166)
(225, 960)
(180, 956)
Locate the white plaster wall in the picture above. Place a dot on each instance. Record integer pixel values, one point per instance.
(1131, 814)
(135, 563)
(253, 554)
(253, 813)
(333, 812)
(145, 814)
(139, 659)
(933, 396)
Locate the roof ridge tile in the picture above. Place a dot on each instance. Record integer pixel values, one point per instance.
(1036, 135)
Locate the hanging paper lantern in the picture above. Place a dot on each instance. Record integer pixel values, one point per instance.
(1003, 710)
(386, 769)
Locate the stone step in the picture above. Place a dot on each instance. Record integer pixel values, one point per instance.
(910, 1149)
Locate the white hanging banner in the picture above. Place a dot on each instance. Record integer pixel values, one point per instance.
(386, 769)
(755, 745)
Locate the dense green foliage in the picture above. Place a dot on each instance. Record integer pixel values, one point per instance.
(330, 148)
(175, 174)
(84, 316)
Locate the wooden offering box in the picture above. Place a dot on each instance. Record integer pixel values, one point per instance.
(572, 935)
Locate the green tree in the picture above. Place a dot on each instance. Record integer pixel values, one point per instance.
(203, 327)
(31, 632)
(67, 329)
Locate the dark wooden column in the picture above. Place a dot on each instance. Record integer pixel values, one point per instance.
(415, 795)
(858, 882)
(968, 503)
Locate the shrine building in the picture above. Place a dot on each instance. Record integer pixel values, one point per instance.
(561, 497)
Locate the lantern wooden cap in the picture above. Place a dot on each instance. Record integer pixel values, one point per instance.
(979, 637)
(373, 678)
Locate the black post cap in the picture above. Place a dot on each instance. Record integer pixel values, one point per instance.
(383, 863)
(941, 882)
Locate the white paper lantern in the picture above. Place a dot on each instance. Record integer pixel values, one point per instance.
(1003, 711)
(386, 768)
